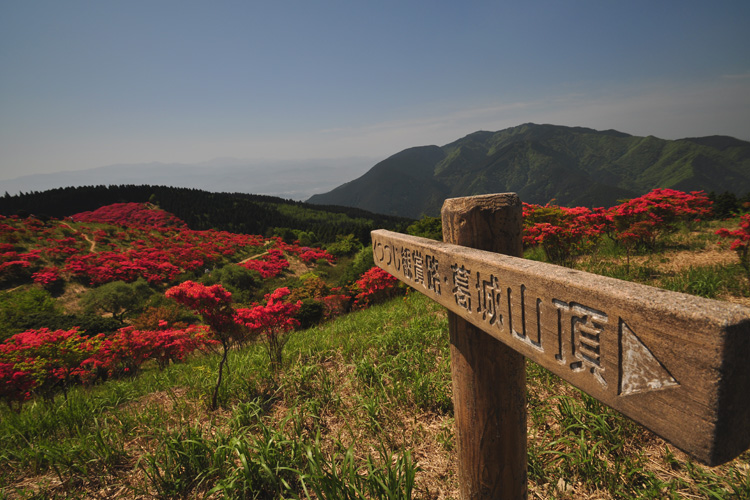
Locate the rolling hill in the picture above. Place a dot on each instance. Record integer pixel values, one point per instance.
(201, 210)
(574, 166)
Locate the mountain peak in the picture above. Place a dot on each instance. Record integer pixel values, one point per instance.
(540, 162)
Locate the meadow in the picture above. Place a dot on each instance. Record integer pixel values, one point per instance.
(360, 405)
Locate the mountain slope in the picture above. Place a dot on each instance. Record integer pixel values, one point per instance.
(571, 165)
(403, 183)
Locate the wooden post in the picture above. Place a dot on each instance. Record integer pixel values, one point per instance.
(489, 378)
(675, 363)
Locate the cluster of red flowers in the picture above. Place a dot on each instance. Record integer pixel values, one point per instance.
(566, 232)
(305, 254)
(103, 267)
(213, 303)
(132, 214)
(46, 276)
(560, 231)
(273, 321)
(12, 262)
(269, 265)
(128, 348)
(741, 242)
(274, 317)
(374, 285)
(44, 360)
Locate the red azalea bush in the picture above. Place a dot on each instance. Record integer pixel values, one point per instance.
(562, 232)
(312, 255)
(43, 359)
(305, 254)
(16, 384)
(214, 304)
(269, 265)
(335, 304)
(374, 286)
(47, 276)
(640, 221)
(128, 348)
(272, 321)
(741, 242)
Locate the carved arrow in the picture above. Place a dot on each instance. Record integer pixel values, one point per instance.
(684, 375)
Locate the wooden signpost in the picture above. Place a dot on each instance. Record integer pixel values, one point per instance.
(677, 364)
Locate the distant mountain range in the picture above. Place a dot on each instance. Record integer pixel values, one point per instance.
(573, 166)
(289, 179)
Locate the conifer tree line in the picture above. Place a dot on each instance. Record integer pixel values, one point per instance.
(201, 210)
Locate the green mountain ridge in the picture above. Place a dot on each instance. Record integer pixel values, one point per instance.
(570, 165)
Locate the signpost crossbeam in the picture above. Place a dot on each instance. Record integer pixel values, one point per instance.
(675, 363)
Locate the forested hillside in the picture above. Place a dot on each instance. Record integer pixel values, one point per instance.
(202, 210)
(573, 166)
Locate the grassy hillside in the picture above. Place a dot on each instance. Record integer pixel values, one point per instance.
(362, 407)
(363, 404)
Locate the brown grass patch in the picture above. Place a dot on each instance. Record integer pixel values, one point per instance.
(675, 261)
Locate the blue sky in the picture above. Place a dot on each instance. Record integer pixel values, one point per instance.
(91, 83)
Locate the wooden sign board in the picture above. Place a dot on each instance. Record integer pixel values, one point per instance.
(675, 363)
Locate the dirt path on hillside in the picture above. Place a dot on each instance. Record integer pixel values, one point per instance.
(253, 257)
(296, 266)
(92, 247)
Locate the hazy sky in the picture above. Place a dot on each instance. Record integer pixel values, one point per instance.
(91, 83)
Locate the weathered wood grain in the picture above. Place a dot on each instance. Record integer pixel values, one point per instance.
(675, 363)
(489, 377)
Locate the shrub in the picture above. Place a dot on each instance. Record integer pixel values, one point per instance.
(427, 227)
(310, 313)
(117, 298)
(273, 322)
(344, 245)
(741, 242)
(362, 262)
(374, 286)
(25, 309)
(214, 305)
